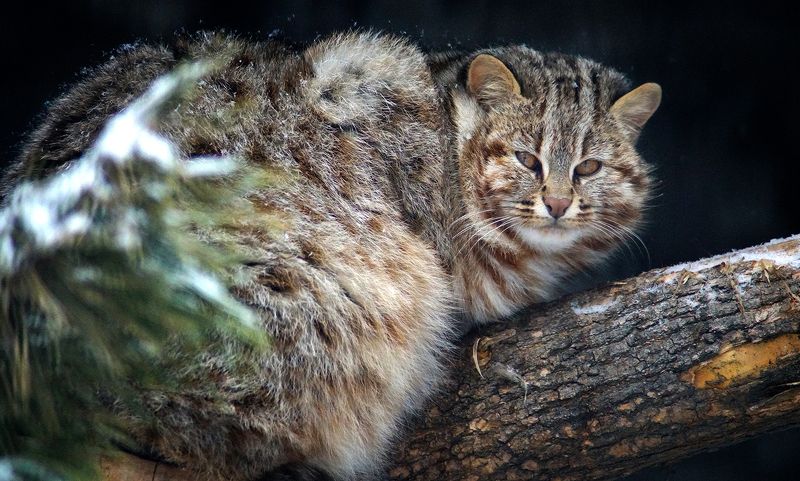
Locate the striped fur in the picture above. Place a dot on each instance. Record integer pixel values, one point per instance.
(403, 200)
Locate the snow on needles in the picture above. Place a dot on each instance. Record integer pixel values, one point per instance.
(87, 200)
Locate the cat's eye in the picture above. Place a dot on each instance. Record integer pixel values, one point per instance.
(529, 160)
(588, 167)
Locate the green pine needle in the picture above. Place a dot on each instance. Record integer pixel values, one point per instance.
(105, 291)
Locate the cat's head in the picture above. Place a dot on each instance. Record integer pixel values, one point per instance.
(546, 148)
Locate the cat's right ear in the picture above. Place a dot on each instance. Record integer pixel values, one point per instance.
(490, 81)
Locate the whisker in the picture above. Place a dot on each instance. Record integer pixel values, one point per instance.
(638, 239)
(481, 233)
(468, 225)
(624, 233)
(466, 216)
(613, 233)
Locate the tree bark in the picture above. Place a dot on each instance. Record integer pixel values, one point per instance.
(603, 383)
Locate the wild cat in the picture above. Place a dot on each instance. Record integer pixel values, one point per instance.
(425, 193)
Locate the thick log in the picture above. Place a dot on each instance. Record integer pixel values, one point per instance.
(654, 369)
(603, 383)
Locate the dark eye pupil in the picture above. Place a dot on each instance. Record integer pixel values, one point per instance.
(528, 160)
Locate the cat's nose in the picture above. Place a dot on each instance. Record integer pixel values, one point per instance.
(556, 206)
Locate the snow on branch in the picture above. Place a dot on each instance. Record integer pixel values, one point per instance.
(100, 271)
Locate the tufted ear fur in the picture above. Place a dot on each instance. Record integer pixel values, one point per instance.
(635, 108)
(490, 81)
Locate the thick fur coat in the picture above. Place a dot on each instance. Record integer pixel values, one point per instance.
(414, 199)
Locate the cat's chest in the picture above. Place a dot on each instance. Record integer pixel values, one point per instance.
(496, 285)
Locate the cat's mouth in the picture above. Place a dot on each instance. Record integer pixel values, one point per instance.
(549, 224)
(557, 228)
(549, 235)
(538, 230)
(535, 217)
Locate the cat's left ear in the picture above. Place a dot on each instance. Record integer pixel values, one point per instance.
(636, 107)
(490, 81)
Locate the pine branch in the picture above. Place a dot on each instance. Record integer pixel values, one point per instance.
(104, 288)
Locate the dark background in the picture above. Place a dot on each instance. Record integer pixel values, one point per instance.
(724, 141)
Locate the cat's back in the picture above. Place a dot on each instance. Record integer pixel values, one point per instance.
(258, 94)
(352, 124)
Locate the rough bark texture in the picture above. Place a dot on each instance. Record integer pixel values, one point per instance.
(606, 382)
(603, 383)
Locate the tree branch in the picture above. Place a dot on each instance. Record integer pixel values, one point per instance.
(600, 384)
